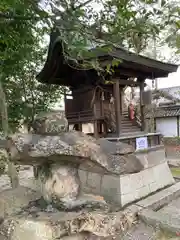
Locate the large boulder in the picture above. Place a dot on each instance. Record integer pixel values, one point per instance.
(58, 154)
(50, 123)
(95, 155)
(115, 148)
(58, 159)
(71, 147)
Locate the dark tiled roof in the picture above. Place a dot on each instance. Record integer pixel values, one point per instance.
(58, 71)
(168, 111)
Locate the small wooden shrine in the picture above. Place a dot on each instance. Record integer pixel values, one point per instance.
(97, 98)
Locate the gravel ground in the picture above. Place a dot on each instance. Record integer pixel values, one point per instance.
(139, 232)
(26, 179)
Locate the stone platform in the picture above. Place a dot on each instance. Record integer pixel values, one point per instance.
(127, 188)
(153, 139)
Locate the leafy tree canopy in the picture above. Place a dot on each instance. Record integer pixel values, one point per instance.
(81, 24)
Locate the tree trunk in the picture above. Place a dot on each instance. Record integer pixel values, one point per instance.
(12, 171)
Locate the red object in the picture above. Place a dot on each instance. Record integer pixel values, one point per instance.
(131, 111)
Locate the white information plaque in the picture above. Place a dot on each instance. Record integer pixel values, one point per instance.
(141, 143)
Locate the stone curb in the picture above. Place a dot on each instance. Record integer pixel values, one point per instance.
(146, 209)
(160, 221)
(155, 201)
(159, 199)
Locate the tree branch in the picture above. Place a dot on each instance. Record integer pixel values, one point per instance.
(83, 4)
(28, 18)
(21, 17)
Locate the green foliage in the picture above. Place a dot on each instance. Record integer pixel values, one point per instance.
(22, 55)
(26, 97)
(175, 172)
(18, 38)
(24, 23)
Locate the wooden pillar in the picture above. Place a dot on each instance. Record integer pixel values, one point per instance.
(65, 96)
(117, 102)
(121, 99)
(141, 81)
(96, 135)
(80, 127)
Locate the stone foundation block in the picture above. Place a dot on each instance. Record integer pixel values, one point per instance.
(152, 156)
(161, 198)
(124, 189)
(94, 181)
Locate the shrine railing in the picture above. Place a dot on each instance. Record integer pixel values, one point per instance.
(79, 115)
(83, 116)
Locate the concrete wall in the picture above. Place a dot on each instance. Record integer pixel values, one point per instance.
(167, 126)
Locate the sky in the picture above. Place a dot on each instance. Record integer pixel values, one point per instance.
(171, 81)
(168, 55)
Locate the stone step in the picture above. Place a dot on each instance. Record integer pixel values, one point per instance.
(126, 121)
(168, 221)
(129, 130)
(125, 112)
(128, 124)
(168, 217)
(162, 198)
(125, 117)
(129, 127)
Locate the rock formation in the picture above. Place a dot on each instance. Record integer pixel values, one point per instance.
(57, 159)
(57, 154)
